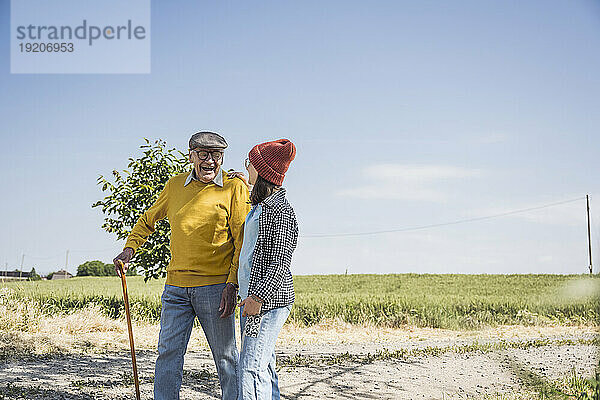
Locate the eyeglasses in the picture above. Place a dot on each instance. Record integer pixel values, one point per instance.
(203, 154)
(247, 163)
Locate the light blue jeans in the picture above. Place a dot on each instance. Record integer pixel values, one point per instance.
(180, 306)
(257, 375)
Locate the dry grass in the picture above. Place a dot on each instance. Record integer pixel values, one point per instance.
(25, 330)
(337, 332)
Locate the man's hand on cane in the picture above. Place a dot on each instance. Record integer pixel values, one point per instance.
(125, 256)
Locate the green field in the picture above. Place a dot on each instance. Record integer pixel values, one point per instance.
(438, 301)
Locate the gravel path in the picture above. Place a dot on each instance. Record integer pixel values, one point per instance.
(320, 375)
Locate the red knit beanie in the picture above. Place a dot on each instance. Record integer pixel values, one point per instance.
(272, 159)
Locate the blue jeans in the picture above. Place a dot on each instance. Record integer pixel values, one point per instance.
(180, 306)
(257, 375)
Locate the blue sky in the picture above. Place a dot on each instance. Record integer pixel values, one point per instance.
(404, 114)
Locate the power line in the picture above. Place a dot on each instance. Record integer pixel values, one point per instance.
(462, 221)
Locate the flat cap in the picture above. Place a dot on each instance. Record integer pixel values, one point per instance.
(208, 140)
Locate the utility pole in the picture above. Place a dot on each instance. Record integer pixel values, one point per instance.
(21, 269)
(587, 200)
(67, 260)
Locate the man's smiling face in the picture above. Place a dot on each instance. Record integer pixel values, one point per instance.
(207, 163)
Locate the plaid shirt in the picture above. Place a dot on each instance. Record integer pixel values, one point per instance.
(270, 276)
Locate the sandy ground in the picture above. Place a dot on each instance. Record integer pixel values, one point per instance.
(77, 374)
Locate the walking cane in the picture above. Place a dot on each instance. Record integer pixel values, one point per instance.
(129, 327)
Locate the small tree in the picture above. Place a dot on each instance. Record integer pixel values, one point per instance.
(95, 268)
(33, 276)
(130, 272)
(132, 192)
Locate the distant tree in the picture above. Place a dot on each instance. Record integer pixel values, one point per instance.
(96, 268)
(131, 194)
(49, 276)
(33, 276)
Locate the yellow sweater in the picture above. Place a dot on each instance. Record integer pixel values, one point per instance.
(206, 229)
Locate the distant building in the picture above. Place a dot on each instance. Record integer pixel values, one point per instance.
(15, 275)
(62, 274)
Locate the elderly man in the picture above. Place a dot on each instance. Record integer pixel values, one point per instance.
(206, 210)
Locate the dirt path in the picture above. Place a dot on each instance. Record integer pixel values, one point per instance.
(432, 367)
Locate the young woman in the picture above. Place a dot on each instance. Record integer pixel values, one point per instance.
(264, 277)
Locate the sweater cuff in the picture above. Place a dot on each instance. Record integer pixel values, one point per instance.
(233, 276)
(133, 244)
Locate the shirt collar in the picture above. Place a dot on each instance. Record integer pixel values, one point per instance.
(218, 179)
(274, 198)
